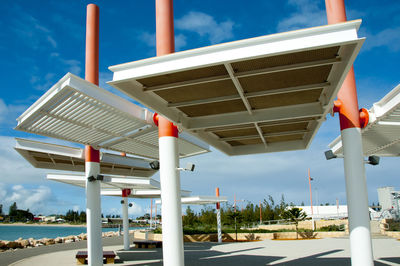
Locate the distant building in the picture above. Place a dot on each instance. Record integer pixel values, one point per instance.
(332, 212)
(389, 200)
(386, 198)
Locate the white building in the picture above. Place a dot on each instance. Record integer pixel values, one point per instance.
(332, 212)
(386, 196)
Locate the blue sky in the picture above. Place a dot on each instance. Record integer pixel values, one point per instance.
(42, 40)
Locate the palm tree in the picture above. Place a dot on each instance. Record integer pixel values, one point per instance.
(294, 215)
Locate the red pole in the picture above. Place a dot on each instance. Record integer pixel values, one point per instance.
(217, 194)
(309, 183)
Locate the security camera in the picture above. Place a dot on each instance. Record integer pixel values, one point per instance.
(155, 165)
(91, 178)
(100, 177)
(130, 205)
(330, 155)
(189, 167)
(373, 160)
(122, 201)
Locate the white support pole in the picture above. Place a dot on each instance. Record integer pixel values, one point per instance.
(219, 225)
(93, 209)
(125, 223)
(171, 202)
(354, 168)
(218, 217)
(173, 254)
(357, 198)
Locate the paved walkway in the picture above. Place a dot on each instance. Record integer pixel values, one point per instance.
(329, 251)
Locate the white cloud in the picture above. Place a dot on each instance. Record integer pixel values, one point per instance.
(180, 42)
(135, 210)
(41, 83)
(73, 66)
(39, 199)
(13, 168)
(35, 199)
(206, 26)
(389, 38)
(9, 112)
(308, 14)
(30, 30)
(150, 40)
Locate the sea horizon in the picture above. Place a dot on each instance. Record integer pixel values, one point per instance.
(14, 232)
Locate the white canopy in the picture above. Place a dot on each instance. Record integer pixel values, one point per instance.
(108, 182)
(200, 200)
(264, 94)
(57, 157)
(79, 111)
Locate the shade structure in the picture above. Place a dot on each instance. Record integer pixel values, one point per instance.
(258, 95)
(58, 157)
(140, 193)
(108, 182)
(79, 111)
(200, 200)
(382, 134)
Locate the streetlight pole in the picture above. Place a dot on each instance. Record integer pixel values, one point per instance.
(312, 212)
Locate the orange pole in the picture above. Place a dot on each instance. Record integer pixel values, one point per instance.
(309, 183)
(92, 55)
(347, 103)
(165, 45)
(217, 194)
(92, 44)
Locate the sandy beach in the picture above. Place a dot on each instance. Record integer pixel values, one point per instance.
(44, 224)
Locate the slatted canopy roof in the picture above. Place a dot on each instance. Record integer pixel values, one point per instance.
(140, 193)
(79, 111)
(382, 134)
(200, 200)
(57, 157)
(109, 182)
(258, 95)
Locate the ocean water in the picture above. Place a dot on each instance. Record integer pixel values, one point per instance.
(13, 232)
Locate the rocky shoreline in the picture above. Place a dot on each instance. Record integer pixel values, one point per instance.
(31, 243)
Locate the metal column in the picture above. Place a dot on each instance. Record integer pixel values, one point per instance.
(218, 217)
(125, 218)
(356, 185)
(168, 144)
(92, 156)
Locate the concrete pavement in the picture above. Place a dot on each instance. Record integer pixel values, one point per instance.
(329, 251)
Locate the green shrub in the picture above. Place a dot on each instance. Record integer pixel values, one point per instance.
(332, 227)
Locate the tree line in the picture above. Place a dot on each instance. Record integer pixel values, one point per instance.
(248, 215)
